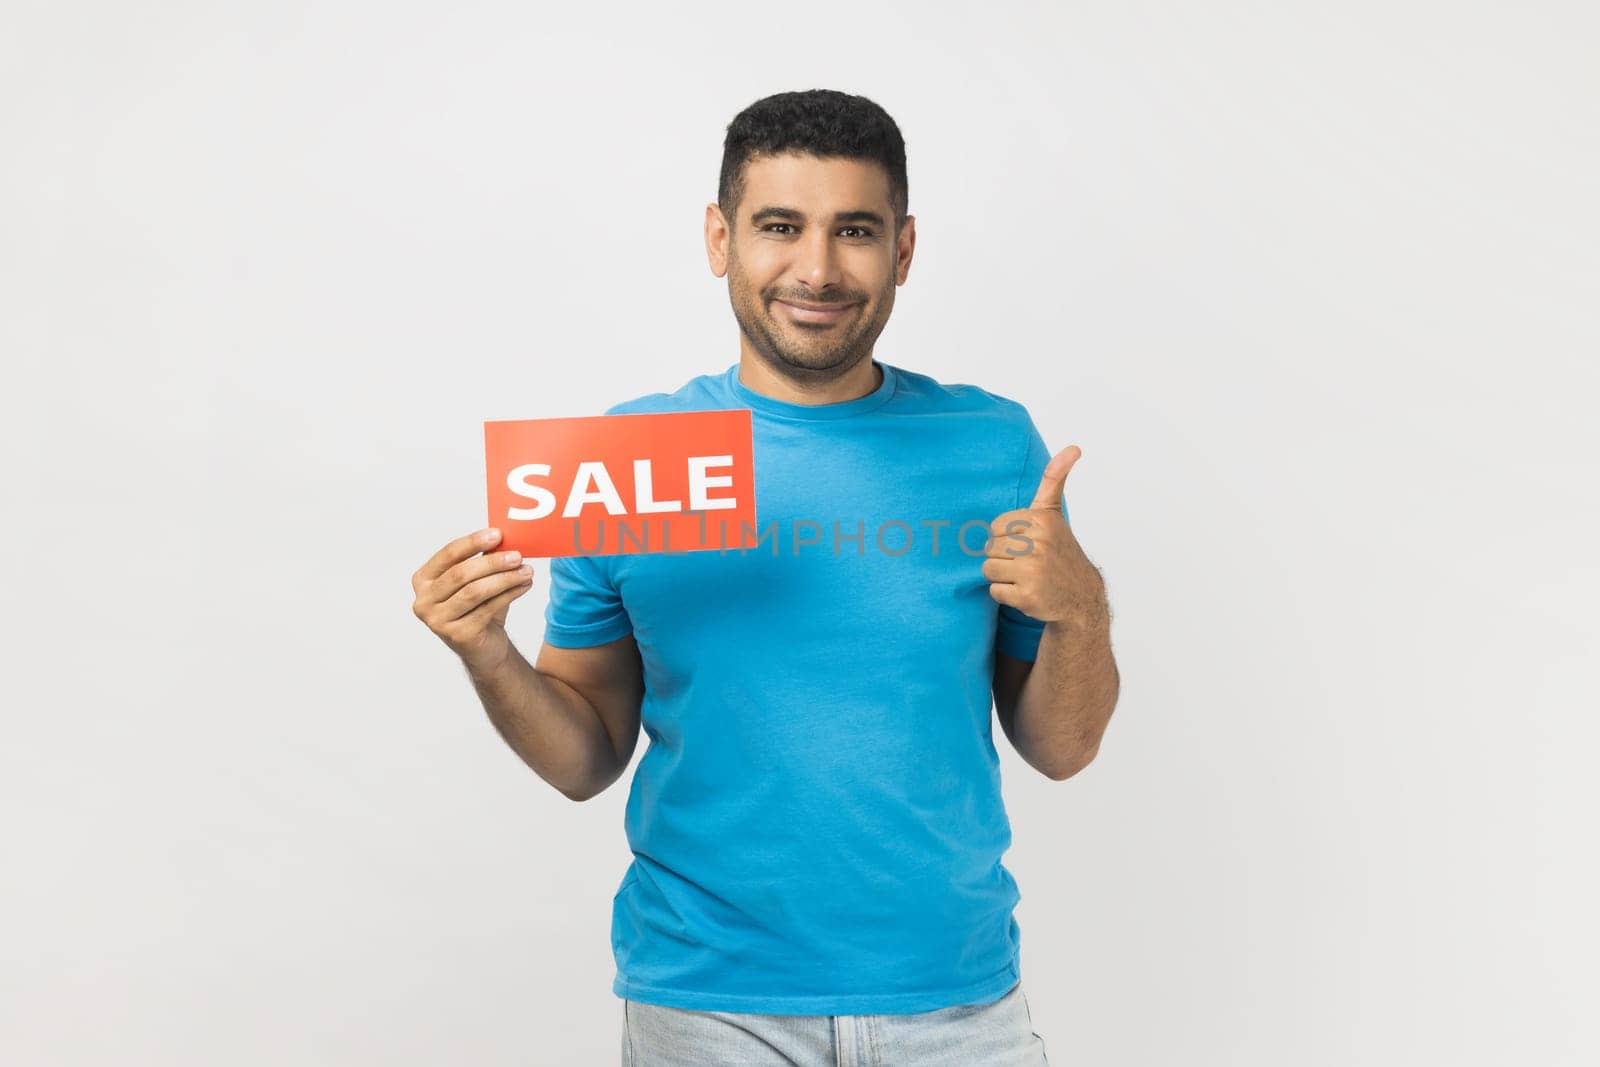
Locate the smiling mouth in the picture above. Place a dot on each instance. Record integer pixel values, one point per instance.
(817, 312)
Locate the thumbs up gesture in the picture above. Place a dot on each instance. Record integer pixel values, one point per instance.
(1035, 563)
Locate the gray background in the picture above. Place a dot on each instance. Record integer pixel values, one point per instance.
(1313, 286)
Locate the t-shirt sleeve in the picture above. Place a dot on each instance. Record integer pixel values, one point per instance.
(585, 608)
(1017, 634)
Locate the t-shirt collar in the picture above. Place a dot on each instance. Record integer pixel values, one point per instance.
(744, 396)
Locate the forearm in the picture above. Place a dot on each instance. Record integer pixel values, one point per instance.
(1067, 698)
(546, 722)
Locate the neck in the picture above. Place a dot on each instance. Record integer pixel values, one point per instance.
(857, 382)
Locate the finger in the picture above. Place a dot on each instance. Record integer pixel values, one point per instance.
(1012, 540)
(1054, 482)
(476, 592)
(1006, 593)
(465, 573)
(1001, 570)
(493, 605)
(454, 552)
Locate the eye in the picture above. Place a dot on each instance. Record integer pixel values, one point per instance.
(862, 230)
(770, 225)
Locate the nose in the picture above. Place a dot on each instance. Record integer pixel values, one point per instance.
(817, 263)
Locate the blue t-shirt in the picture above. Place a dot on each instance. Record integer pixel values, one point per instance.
(817, 824)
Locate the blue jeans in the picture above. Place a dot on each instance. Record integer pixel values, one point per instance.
(999, 1034)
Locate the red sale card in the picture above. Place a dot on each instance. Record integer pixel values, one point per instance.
(605, 485)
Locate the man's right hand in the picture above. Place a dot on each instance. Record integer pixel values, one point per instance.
(464, 597)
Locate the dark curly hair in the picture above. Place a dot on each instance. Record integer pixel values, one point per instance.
(819, 122)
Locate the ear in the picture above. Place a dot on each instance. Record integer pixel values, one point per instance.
(903, 249)
(717, 237)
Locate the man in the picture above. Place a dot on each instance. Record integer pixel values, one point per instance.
(817, 823)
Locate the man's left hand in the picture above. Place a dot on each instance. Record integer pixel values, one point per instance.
(1035, 563)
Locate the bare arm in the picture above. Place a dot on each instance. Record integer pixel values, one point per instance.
(1054, 711)
(573, 718)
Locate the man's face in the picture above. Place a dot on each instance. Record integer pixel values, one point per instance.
(812, 262)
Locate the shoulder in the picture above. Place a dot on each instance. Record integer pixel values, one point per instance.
(964, 398)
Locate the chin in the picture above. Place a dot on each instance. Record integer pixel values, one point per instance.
(804, 365)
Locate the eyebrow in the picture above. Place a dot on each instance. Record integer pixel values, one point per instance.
(789, 214)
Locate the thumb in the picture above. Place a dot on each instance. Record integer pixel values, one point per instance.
(1054, 482)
